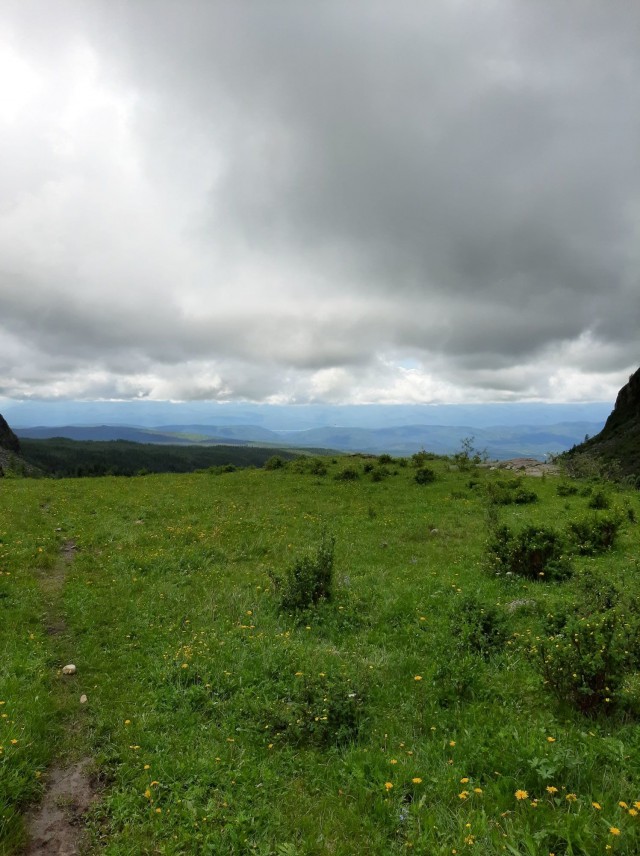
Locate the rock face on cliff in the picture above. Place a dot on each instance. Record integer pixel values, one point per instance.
(8, 439)
(618, 443)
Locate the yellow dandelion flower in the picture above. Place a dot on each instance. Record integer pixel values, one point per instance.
(464, 780)
(463, 795)
(637, 804)
(393, 761)
(147, 794)
(477, 790)
(416, 780)
(551, 789)
(597, 806)
(571, 797)
(614, 830)
(158, 811)
(551, 739)
(388, 785)
(521, 795)
(623, 804)
(633, 812)
(417, 677)
(452, 743)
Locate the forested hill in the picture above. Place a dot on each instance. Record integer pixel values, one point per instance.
(60, 457)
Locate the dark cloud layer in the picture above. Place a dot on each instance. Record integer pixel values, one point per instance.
(340, 201)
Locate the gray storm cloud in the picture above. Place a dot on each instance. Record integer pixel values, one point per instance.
(296, 201)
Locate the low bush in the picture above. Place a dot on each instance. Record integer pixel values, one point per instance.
(535, 552)
(590, 650)
(275, 462)
(566, 489)
(424, 475)
(510, 492)
(347, 474)
(479, 625)
(321, 711)
(599, 500)
(594, 534)
(309, 579)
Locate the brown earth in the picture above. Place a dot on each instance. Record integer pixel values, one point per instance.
(55, 827)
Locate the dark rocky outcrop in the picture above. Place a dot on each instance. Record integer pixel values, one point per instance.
(618, 444)
(8, 439)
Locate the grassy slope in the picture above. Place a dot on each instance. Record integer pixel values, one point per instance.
(196, 683)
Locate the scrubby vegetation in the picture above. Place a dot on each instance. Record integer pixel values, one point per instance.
(291, 660)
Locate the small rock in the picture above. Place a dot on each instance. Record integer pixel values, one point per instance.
(69, 670)
(83, 699)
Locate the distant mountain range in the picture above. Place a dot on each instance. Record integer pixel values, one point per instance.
(499, 442)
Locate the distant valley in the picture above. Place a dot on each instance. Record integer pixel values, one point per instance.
(499, 442)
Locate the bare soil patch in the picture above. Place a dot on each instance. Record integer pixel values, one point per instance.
(56, 826)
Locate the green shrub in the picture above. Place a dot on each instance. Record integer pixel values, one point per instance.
(536, 552)
(385, 459)
(594, 534)
(424, 475)
(509, 492)
(368, 467)
(588, 653)
(275, 462)
(317, 467)
(599, 500)
(347, 474)
(566, 489)
(419, 459)
(321, 711)
(309, 579)
(380, 473)
(480, 626)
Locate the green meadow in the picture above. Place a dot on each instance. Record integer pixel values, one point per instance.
(438, 700)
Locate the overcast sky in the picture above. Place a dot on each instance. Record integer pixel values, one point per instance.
(297, 201)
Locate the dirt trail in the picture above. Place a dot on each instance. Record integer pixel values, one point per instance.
(55, 826)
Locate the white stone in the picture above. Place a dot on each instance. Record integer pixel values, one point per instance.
(83, 699)
(69, 670)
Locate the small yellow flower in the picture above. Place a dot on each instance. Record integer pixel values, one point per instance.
(147, 794)
(158, 811)
(464, 780)
(185, 665)
(551, 739)
(551, 789)
(521, 795)
(463, 795)
(388, 785)
(147, 767)
(393, 761)
(597, 806)
(477, 790)
(127, 722)
(633, 812)
(623, 804)
(13, 742)
(571, 797)
(416, 780)
(614, 830)
(452, 743)
(637, 804)
(417, 678)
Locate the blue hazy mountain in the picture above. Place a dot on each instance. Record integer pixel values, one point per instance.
(177, 415)
(538, 441)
